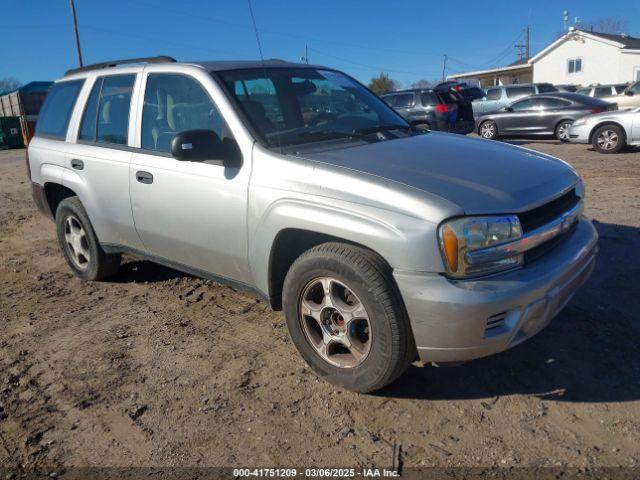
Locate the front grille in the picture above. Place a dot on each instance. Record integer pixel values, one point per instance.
(548, 212)
(541, 250)
(495, 325)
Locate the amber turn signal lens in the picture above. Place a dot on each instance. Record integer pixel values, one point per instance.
(450, 247)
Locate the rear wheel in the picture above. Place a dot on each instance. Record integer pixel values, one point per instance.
(562, 130)
(79, 243)
(488, 129)
(346, 317)
(608, 139)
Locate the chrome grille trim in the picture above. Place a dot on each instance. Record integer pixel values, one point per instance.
(529, 241)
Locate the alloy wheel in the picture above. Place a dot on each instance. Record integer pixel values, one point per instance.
(607, 140)
(77, 242)
(335, 322)
(488, 130)
(563, 131)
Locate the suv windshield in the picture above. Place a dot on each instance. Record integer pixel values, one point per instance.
(294, 106)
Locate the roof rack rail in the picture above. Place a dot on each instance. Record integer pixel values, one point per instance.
(113, 63)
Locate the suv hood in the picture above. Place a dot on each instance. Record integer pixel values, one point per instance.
(479, 176)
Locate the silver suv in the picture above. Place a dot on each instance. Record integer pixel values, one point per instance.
(382, 243)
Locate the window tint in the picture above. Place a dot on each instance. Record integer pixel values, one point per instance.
(526, 104)
(602, 92)
(58, 106)
(620, 88)
(546, 87)
(515, 92)
(106, 116)
(403, 100)
(448, 97)
(553, 103)
(172, 104)
(428, 98)
(494, 94)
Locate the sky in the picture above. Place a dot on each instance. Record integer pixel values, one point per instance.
(405, 39)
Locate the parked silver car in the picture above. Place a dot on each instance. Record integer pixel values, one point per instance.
(608, 132)
(381, 242)
(500, 96)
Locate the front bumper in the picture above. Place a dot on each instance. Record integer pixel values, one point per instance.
(580, 134)
(454, 321)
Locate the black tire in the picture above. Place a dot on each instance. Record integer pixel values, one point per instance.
(392, 347)
(612, 145)
(99, 264)
(490, 130)
(562, 130)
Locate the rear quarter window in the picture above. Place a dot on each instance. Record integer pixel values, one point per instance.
(56, 111)
(516, 92)
(494, 94)
(429, 98)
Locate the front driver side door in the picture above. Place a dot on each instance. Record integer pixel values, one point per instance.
(191, 214)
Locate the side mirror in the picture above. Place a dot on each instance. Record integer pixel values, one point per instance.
(201, 146)
(508, 109)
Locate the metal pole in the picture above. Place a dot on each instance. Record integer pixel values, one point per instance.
(527, 45)
(75, 31)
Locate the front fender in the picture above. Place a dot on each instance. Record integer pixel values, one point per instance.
(405, 242)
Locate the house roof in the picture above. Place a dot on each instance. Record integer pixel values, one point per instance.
(626, 40)
(31, 87)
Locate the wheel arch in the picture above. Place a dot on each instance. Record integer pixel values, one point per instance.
(55, 193)
(602, 124)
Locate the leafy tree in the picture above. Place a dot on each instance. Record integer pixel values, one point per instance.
(8, 84)
(382, 83)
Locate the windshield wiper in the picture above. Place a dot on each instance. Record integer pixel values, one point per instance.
(382, 128)
(326, 135)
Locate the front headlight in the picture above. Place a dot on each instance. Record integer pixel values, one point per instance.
(461, 235)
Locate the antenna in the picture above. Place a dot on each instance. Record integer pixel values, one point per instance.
(255, 29)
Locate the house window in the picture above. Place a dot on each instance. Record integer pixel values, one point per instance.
(574, 65)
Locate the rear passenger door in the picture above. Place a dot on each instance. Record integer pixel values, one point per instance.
(192, 214)
(97, 163)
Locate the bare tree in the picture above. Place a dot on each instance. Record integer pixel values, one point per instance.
(611, 25)
(8, 84)
(422, 83)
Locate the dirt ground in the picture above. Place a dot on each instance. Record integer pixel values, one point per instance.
(157, 368)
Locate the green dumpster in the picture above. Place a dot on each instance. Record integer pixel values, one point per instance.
(10, 133)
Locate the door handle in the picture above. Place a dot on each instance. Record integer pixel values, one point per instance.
(77, 164)
(144, 177)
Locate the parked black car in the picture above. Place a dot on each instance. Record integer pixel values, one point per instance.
(468, 92)
(540, 115)
(432, 110)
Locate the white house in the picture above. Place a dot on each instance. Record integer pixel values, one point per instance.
(578, 58)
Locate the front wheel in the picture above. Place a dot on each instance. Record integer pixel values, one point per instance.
(489, 130)
(562, 130)
(346, 317)
(608, 139)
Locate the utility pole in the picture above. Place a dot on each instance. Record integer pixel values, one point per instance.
(75, 31)
(444, 66)
(523, 50)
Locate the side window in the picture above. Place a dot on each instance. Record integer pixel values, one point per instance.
(526, 104)
(175, 103)
(106, 115)
(494, 94)
(602, 92)
(56, 112)
(403, 100)
(428, 98)
(553, 103)
(516, 92)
